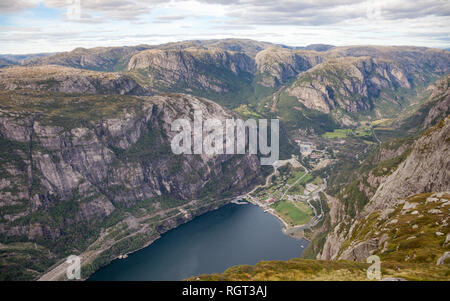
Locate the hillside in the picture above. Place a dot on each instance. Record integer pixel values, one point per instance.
(54, 78)
(409, 239)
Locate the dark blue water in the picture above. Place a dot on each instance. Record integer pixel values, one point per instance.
(211, 243)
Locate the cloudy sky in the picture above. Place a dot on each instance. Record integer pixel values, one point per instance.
(29, 26)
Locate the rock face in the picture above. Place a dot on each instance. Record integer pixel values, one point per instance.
(347, 83)
(191, 68)
(424, 170)
(443, 258)
(277, 65)
(69, 163)
(104, 157)
(440, 100)
(55, 78)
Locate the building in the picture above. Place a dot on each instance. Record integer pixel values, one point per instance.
(311, 187)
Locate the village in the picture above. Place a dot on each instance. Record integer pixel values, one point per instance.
(291, 193)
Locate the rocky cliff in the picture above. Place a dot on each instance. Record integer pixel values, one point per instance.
(421, 168)
(373, 79)
(191, 68)
(351, 84)
(74, 166)
(277, 65)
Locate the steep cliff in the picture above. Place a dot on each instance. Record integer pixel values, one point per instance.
(421, 168)
(277, 65)
(73, 167)
(351, 84)
(373, 80)
(191, 69)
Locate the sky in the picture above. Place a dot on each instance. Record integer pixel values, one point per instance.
(34, 26)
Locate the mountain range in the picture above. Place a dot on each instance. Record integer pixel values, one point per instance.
(77, 174)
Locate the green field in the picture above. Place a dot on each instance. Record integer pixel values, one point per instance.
(294, 214)
(338, 134)
(296, 176)
(362, 131)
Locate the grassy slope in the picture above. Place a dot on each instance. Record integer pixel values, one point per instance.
(322, 270)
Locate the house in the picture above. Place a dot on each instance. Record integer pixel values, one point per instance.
(311, 187)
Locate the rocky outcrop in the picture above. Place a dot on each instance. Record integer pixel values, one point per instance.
(440, 99)
(443, 258)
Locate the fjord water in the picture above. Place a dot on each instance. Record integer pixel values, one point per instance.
(211, 243)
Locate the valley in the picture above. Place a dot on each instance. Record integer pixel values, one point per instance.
(86, 166)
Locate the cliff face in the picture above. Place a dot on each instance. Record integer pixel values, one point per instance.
(426, 169)
(55, 78)
(350, 84)
(72, 166)
(277, 65)
(423, 170)
(190, 68)
(440, 103)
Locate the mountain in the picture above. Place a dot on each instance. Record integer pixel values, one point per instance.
(20, 59)
(92, 173)
(98, 59)
(359, 82)
(378, 81)
(277, 65)
(346, 83)
(69, 80)
(190, 69)
(393, 204)
(5, 63)
(85, 164)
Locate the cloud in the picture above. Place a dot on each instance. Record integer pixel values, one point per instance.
(291, 22)
(107, 9)
(12, 6)
(251, 12)
(325, 12)
(168, 19)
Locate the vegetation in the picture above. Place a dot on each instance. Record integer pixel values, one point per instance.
(310, 270)
(296, 214)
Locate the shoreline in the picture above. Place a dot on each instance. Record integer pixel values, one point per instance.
(285, 226)
(57, 271)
